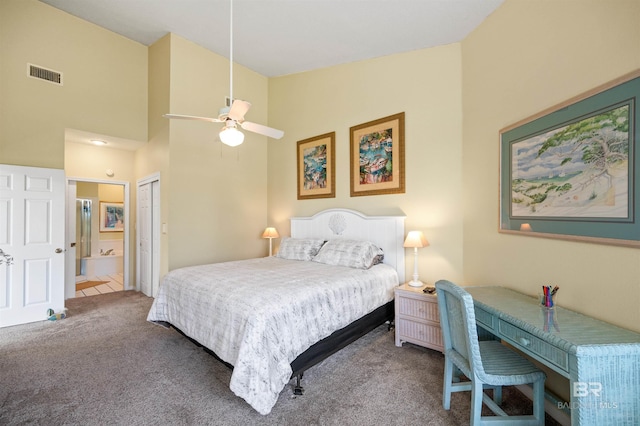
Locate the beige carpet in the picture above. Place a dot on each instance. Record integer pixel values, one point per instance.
(87, 284)
(106, 365)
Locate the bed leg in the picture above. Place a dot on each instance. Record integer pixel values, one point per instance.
(298, 389)
(390, 325)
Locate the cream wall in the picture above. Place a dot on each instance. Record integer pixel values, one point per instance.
(88, 161)
(213, 197)
(425, 85)
(104, 91)
(104, 78)
(154, 156)
(526, 57)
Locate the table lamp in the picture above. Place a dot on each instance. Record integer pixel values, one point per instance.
(416, 240)
(270, 233)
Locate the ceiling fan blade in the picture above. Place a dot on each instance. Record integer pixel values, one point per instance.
(238, 110)
(192, 117)
(263, 130)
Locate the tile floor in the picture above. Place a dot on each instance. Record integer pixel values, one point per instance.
(115, 283)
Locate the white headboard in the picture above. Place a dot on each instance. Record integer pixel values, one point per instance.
(385, 231)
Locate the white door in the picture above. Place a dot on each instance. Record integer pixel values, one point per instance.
(148, 215)
(32, 225)
(145, 220)
(155, 237)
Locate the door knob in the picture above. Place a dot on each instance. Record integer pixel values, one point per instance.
(59, 250)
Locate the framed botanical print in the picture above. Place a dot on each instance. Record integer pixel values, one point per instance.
(316, 167)
(377, 157)
(571, 172)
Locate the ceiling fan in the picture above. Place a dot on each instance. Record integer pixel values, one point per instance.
(234, 115)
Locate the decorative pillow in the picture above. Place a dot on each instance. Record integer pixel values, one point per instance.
(351, 253)
(299, 248)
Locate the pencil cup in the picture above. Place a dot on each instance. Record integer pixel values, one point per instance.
(545, 302)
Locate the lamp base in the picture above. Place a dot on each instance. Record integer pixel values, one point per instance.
(415, 283)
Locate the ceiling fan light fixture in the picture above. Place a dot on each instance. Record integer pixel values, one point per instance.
(234, 111)
(231, 136)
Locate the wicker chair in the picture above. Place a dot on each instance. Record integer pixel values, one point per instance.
(488, 364)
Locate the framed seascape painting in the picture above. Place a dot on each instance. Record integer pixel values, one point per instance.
(111, 217)
(377, 157)
(316, 167)
(571, 172)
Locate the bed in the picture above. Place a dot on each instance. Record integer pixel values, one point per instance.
(272, 318)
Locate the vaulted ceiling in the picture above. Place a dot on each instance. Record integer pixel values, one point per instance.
(280, 37)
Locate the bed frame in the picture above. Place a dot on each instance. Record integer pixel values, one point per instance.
(385, 231)
(327, 346)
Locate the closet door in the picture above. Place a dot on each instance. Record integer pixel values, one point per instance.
(148, 233)
(145, 220)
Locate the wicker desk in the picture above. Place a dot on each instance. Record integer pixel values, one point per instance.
(601, 361)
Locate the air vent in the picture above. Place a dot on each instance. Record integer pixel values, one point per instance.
(41, 73)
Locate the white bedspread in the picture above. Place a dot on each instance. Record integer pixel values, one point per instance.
(260, 314)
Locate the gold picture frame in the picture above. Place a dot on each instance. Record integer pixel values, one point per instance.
(377, 157)
(316, 167)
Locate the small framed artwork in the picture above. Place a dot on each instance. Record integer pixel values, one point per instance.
(571, 172)
(111, 217)
(316, 167)
(377, 157)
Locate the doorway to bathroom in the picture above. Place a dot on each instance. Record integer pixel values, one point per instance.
(98, 235)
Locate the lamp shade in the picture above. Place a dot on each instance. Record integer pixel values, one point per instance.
(231, 136)
(415, 239)
(525, 227)
(270, 233)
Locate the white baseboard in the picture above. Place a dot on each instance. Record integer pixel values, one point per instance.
(550, 407)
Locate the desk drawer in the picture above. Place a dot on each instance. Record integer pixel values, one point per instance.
(533, 345)
(485, 318)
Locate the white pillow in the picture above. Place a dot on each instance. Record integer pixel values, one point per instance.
(299, 248)
(351, 253)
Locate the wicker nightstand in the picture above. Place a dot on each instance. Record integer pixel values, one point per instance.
(417, 318)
